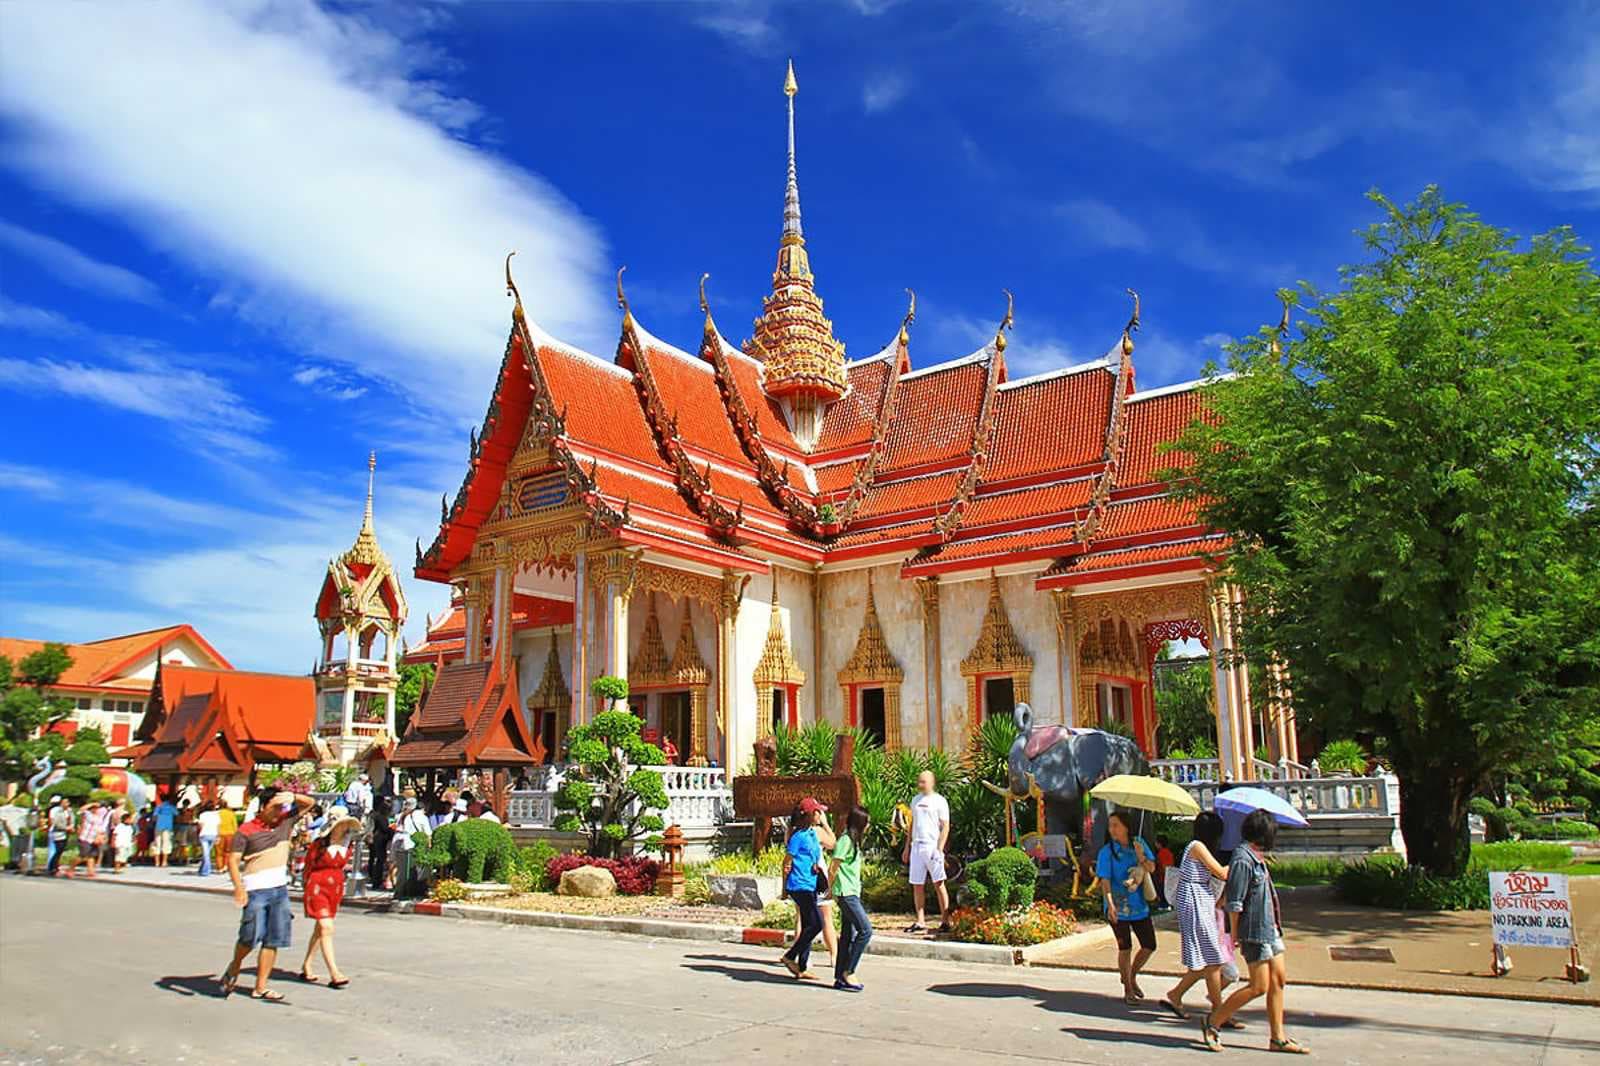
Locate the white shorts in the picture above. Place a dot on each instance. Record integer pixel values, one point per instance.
(927, 862)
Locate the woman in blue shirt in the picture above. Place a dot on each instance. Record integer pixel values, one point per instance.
(1121, 867)
(809, 834)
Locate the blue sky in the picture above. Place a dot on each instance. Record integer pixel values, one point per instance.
(242, 243)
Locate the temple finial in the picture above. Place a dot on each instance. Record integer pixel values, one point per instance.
(511, 288)
(791, 194)
(1282, 331)
(372, 467)
(622, 298)
(911, 316)
(1133, 325)
(1005, 323)
(705, 308)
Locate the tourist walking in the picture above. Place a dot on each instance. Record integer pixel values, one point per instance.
(210, 823)
(358, 796)
(1122, 866)
(94, 826)
(412, 822)
(1252, 904)
(165, 826)
(808, 836)
(258, 863)
(855, 928)
(924, 851)
(326, 861)
(122, 842)
(58, 827)
(1205, 951)
(227, 825)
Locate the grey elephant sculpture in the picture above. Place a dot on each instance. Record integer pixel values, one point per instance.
(1067, 762)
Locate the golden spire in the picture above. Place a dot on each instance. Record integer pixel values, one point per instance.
(365, 549)
(511, 289)
(622, 300)
(793, 337)
(911, 316)
(1005, 323)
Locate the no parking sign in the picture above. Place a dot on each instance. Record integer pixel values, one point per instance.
(1530, 910)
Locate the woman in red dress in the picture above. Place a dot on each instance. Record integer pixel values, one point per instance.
(325, 864)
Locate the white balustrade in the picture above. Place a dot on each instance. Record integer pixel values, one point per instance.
(698, 797)
(1320, 795)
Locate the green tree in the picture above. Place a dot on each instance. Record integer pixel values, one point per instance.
(414, 677)
(26, 709)
(607, 793)
(1411, 489)
(1183, 707)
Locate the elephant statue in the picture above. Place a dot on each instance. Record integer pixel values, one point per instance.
(1066, 762)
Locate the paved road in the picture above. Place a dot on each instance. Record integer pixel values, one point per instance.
(114, 974)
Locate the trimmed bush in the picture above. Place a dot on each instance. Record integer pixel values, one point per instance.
(1005, 879)
(1411, 888)
(635, 875)
(474, 850)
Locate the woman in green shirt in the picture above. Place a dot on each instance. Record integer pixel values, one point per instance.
(855, 929)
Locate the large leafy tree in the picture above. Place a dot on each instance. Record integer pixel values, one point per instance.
(1183, 706)
(1411, 485)
(26, 708)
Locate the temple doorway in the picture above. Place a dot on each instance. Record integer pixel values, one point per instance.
(999, 697)
(872, 714)
(677, 720)
(547, 734)
(1116, 705)
(779, 709)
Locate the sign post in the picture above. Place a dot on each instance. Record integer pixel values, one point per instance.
(1532, 910)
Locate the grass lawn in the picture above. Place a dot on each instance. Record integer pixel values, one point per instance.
(1505, 855)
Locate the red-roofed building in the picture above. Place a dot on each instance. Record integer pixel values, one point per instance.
(109, 680)
(1019, 537)
(214, 727)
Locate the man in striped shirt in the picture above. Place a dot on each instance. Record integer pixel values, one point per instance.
(258, 863)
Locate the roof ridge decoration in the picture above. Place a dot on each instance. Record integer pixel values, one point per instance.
(978, 453)
(774, 479)
(1116, 432)
(693, 485)
(998, 651)
(871, 660)
(777, 665)
(868, 469)
(792, 337)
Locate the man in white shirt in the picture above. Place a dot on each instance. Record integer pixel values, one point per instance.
(930, 831)
(358, 797)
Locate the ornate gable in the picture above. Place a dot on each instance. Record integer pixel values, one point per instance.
(871, 660)
(777, 665)
(649, 667)
(998, 651)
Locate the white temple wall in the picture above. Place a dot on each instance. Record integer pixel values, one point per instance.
(844, 603)
(961, 609)
(531, 648)
(750, 629)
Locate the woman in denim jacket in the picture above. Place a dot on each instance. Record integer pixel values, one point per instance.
(1252, 904)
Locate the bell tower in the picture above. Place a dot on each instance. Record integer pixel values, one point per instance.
(804, 363)
(360, 613)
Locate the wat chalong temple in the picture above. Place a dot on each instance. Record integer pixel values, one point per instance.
(771, 532)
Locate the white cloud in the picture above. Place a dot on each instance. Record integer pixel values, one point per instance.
(37, 320)
(747, 24)
(883, 91)
(312, 164)
(67, 264)
(1098, 224)
(199, 405)
(1218, 341)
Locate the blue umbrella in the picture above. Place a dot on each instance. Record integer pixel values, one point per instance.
(1235, 803)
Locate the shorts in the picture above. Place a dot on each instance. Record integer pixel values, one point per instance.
(266, 918)
(1257, 951)
(1125, 931)
(927, 862)
(162, 845)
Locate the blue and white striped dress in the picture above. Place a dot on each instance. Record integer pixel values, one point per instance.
(1197, 915)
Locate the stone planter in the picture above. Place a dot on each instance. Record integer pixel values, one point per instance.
(743, 891)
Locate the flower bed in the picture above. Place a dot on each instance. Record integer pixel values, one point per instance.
(1017, 928)
(636, 875)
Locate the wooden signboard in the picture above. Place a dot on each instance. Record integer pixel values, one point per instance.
(765, 795)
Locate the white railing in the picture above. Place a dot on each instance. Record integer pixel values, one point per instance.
(1185, 771)
(697, 797)
(1320, 795)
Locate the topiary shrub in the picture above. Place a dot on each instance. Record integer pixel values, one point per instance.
(608, 794)
(474, 850)
(1005, 879)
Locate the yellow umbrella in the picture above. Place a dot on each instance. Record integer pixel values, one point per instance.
(1145, 794)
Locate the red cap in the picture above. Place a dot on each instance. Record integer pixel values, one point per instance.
(811, 805)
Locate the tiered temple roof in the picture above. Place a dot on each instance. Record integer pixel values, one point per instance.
(722, 456)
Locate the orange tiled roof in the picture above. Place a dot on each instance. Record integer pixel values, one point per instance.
(262, 717)
(98, 663)
(849, 420)
(935, 414)
(1041, 543)
(1151, 422)
(1052, 423)
(1105, 565)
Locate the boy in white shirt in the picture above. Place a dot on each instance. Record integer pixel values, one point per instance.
(930, 832)
(122, 842)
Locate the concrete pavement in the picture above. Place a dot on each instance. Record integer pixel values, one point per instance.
(91, 976)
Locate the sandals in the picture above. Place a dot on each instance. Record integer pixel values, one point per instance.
(1209, 1034)
(271, 995)
(1175, 1009)
(308, 978)
(230, 981)
(1288, 1046)
(340, 983)
(1234, 1024)
(916, 927)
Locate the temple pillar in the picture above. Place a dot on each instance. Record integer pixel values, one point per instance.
(933, 666)
(615, 593)
(1233, 605)
(501, 634)
(349, 707)
(1066, 645)
(727, 662)
(1222, 687)
(580, 665)
(388, 721)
